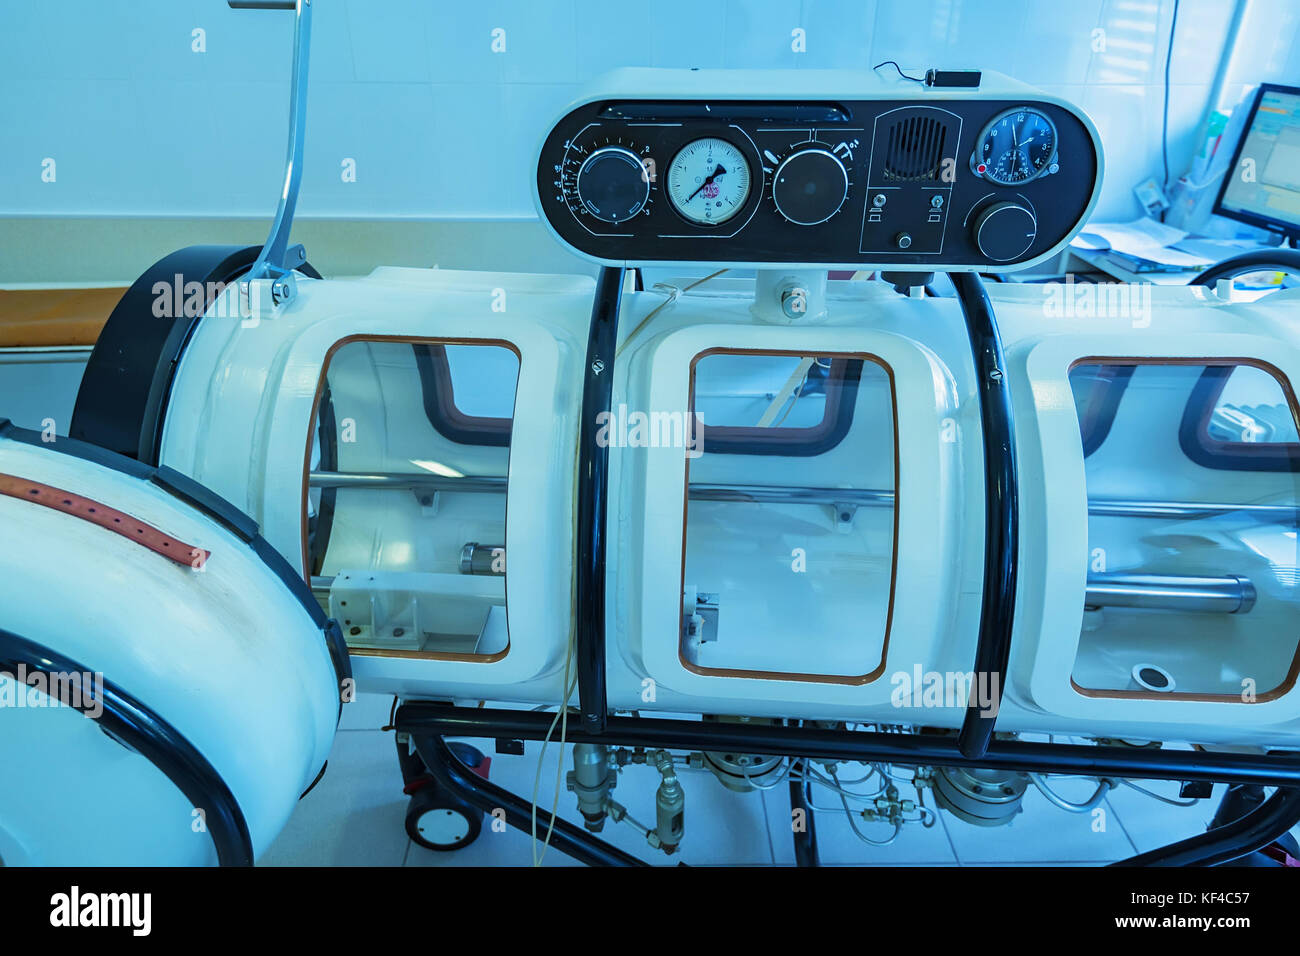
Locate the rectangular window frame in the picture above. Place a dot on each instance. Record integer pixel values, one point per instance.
(321, 385)
(1196, 410)
(792, 676)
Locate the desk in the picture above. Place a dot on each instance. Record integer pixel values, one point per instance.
(1102, 262)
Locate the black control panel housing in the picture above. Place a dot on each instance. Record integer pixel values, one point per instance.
(914, 194)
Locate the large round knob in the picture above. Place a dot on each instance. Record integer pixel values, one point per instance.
(1005, 231)
(613, 184)
(810, 186)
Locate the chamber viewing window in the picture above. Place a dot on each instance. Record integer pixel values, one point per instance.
(1193, 569)
(800, 568)
(405, 512)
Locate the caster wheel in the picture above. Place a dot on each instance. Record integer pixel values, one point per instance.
(438, 822)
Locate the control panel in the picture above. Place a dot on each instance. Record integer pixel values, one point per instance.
(943, 181)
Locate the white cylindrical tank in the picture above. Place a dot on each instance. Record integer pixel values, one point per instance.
(204, 699)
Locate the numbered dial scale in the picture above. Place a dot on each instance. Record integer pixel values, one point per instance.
(1015, 147)
(607, 181)
(708, 181)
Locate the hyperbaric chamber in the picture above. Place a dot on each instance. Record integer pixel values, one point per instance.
(797, 482)
(796, 521)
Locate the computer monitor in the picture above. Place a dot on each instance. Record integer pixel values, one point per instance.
(1262, 186)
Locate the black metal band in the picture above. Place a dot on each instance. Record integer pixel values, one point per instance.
(127, 384)
(928, 750)
(143, 730)
(593, 492)
(125, 387)
(1001, 514)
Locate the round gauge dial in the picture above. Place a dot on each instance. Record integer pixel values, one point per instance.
(708, 181)
(1015, 147)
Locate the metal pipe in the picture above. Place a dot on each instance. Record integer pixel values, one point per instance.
(414, 480)
(1001, 511)
(1172, 592)
(487, 559)
(816, 743)
(791, 494)
(700, 492)
(1134, 508)
(1231, 594)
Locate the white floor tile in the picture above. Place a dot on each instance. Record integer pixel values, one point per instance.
(354, 816)
(367, 712)
(1151, 824)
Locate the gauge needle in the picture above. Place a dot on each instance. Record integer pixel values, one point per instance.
(716, 173)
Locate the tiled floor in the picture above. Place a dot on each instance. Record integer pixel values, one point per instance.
(355, 817)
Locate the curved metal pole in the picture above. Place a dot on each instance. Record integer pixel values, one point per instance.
(276, 261)
(451, 774)
(1001, 515)
(1256, 830)
(1263, 260)
(593, 487)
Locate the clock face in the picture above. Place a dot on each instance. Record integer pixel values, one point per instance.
(708, 181)
(1016, 147)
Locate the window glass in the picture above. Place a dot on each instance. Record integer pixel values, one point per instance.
(1193, 580)
(793, 405)
(789, 568)
(405, 525)
(1252, 408)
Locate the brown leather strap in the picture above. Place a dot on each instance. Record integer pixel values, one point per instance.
(111, 519)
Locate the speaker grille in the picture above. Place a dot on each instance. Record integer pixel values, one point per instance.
(914, 149)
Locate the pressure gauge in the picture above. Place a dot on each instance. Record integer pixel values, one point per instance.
(708, 181)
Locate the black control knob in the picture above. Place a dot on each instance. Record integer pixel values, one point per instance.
(810, 186)
(613, 184)
(1004, 231)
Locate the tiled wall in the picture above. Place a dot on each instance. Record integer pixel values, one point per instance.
(441, 126)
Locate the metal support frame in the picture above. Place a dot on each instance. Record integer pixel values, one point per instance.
(821, 743)
(593, 492)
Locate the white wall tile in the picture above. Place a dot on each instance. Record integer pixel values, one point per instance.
(203, 133)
